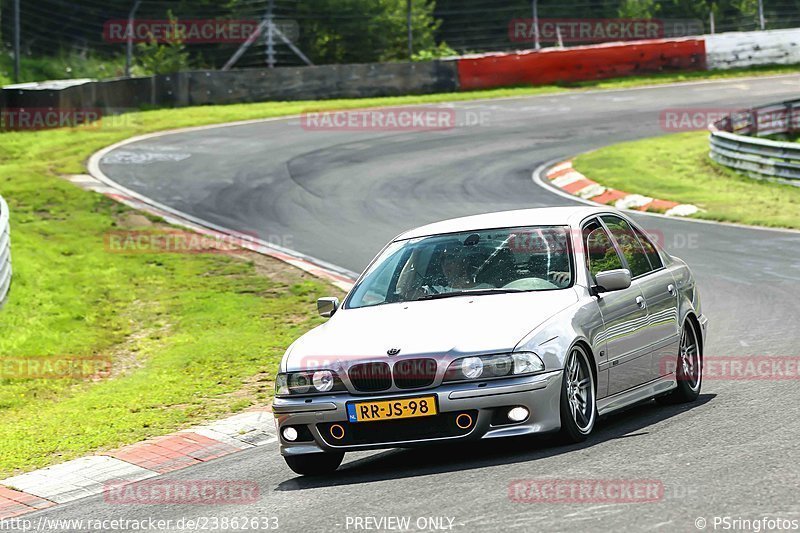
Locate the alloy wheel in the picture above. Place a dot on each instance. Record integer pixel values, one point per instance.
(580, 390)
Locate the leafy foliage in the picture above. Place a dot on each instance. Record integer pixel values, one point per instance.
(342, 31)
(155, 58)
(364, 30)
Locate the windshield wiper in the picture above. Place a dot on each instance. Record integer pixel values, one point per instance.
(469, 292)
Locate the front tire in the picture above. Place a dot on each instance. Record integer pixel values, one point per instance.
(578, 404)
(314, 464)
(689, 370)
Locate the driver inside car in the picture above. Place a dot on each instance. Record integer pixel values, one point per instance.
(454, 268)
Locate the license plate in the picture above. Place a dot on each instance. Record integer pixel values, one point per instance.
(391, 409)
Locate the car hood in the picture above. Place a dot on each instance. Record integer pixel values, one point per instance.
(451, 326)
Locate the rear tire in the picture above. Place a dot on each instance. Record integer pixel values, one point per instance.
(578, 406)
(689, 369)
(314, 464)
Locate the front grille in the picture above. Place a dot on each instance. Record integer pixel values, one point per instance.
(410, 429)
(414, 373)
(370, 377)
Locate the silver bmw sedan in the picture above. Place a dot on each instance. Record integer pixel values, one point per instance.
(489, 326)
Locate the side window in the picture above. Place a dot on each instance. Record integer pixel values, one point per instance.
(632, 249)
(600, 252)
(650, 250)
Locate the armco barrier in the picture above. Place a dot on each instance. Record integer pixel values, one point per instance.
(5, 252)
(737, 142)
(581, 63)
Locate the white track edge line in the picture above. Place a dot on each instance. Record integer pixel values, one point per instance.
(93, 166)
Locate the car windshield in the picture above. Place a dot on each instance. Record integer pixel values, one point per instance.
(475, 262)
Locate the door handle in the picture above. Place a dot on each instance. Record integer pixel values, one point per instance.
(640, 302)
(671, 289)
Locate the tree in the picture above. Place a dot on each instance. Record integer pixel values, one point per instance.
(638, 9)
(155, 58)
(359, 31)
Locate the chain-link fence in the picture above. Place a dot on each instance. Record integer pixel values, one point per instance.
(62, 39)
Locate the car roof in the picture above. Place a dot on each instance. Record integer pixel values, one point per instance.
(544, 216)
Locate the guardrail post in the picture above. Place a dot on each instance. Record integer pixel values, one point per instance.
(129, 39)
(16, 41)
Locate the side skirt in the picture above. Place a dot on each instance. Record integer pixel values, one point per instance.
(637, 394)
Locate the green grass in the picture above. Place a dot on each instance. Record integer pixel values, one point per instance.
(65, 65)
(700, 75)
(192, 337)
(677, 167)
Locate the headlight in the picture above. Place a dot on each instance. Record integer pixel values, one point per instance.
(322, 380)
(299, 383)
(471, 367)
(494, 366)
(310, 382)
(527, 363)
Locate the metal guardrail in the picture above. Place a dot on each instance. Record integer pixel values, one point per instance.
(5, 252)
(737, 141)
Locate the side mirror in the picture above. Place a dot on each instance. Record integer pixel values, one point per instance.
(612, 280)
(327, 306)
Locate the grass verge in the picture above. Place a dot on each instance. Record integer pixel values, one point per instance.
(191, 337)
(677, 167)
(62, 65)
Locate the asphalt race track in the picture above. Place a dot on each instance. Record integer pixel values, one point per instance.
(340, 195)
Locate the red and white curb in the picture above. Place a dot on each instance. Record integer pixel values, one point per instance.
(89, 476)
(566, 178)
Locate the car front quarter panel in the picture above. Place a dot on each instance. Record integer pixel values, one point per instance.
(580, 322)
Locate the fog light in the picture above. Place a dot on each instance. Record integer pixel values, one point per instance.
(290, 434)
(463, 421)
(518, 414)
(337, 432)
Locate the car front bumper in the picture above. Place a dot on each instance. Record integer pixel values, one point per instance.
(486, 403)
